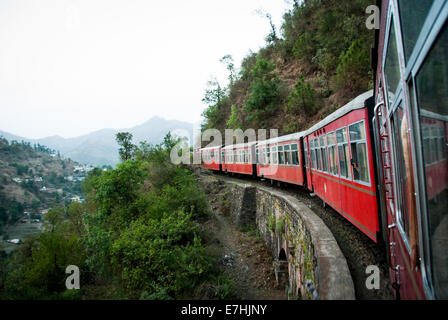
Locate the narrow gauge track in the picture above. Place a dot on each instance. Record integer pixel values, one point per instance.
(357, 248)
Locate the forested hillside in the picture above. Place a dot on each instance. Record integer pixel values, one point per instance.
(318, 62)
(32, 178)
(139, 234)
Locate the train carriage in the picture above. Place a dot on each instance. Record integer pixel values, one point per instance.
(239, 158)
(281, 159)
(411, 95)
(341, 167)
(210, 158)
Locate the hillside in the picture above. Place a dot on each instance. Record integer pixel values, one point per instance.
(319, 62)
(33, 178)
(100, 148)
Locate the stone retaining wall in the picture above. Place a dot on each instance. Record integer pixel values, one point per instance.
(307, 258)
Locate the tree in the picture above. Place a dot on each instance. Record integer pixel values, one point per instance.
(124, 140)
(228, 61)
(302, 98)
(264, 92)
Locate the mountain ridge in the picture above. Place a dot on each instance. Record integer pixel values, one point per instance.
(99, 147)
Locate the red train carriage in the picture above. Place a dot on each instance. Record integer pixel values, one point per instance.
(239, 158)
(411, 93)
(340, 165)
(210, 158)
(281, 158)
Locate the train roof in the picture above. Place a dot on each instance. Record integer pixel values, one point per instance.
(289, 137)
(241, 145)
(210, 148)
(355, 104)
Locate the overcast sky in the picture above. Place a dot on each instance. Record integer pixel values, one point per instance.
(70, 67)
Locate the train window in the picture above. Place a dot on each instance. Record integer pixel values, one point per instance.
(281, 155)
(268, 154)
(400, 172)
(392, 67)
(431, 83)
(313, 155)
(258, 156)
(323, 150)
(288, 159)
(331, 141)
(318, 157)
(358, 145)
(412, 15)
(305, 148)
(295, 155)
(343, 153)
(274, 155)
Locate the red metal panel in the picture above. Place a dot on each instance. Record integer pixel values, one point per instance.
(356, 202)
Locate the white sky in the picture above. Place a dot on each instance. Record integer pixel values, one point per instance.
(70, 67)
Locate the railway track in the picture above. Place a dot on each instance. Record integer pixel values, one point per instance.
(359, 251)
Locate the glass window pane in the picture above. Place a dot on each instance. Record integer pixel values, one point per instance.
(357, 131)
(347, 161)
(432, 98)
(341, 135)
(412, 15)
(324, 160)
(392, 67)
(342, 164)
(401, 177)
(318, 159)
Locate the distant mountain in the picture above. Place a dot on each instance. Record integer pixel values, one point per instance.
(100, 148)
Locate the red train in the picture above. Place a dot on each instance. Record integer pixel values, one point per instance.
(381, 160)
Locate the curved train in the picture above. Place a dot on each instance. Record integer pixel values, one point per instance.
(381, 160)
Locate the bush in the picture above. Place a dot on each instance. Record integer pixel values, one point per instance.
(264, 92)
(353, 72)
(302, 98)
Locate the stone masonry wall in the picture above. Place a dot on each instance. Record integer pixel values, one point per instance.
(307, 259)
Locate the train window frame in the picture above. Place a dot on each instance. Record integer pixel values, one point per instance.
(313, 155)
(288, 158)
(323, 152)
(318, 154)
(274, 155)
(346, 148)
(360, 141)
(332, 145)
(438, 24)
(295, 151)
(281, 156)
(399, 199)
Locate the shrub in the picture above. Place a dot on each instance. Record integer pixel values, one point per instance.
(353, 72)
(264, 92)
(302, 98)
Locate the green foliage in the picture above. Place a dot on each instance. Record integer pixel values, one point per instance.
(225, 288)
(264, 92)
(279, 225)
(353, 68)
(234, 121)
(271, 223)
(124, 140)
(21, 169)
(38, 269)
(302, 98)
